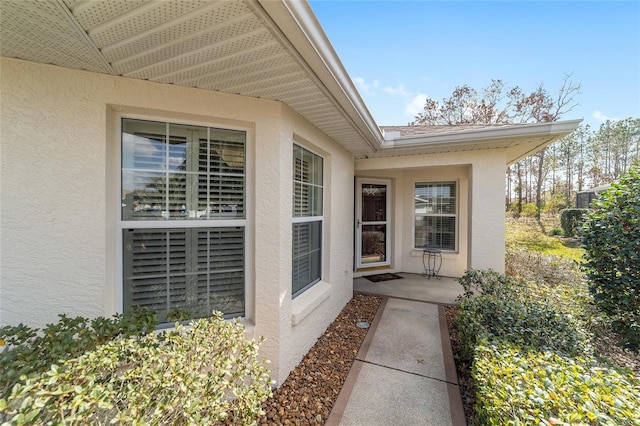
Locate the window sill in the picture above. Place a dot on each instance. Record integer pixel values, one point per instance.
(249, 327)
(305, 303)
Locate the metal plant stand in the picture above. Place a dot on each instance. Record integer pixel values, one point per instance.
(432, 262)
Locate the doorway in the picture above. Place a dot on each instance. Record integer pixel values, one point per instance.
(373, 239)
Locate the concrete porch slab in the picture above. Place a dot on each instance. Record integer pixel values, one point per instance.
(413, 287)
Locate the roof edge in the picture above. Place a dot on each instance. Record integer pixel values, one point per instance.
(298, 23)
(551, 128)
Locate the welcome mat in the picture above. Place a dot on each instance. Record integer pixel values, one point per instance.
(383, 277)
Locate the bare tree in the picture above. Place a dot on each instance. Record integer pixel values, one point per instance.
(502, 105)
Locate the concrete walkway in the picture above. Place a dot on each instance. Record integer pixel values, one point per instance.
(404, 373)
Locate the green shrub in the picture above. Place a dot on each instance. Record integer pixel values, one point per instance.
(512, 207)
(523, 323)
(542, 269)
(515, 387)
(555, 202)
(529, 210)
(556, 232)
(486, 281)
(26, 351)
(611, 236)
(559, 284)
(548, 280)
(571, 221)
(200, 374)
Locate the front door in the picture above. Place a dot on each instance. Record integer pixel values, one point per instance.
(372, 223)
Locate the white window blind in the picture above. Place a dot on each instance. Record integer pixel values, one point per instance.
(435, 206)
(173, 174)
(307, 214)
(307, 255)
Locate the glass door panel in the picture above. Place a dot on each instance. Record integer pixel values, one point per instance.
(372, 224)
(373, 244)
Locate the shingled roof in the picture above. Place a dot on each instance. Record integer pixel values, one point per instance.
(421, 130)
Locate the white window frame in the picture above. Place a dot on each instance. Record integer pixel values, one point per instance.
(360, 181)
(309, 219)
(455, 215)
(122, 224)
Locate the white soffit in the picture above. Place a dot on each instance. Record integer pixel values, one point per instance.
(252, 48)
(270, 49)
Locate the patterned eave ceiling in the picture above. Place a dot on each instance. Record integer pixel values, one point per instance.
(227, 46)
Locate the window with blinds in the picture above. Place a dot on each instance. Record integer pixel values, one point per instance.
(307, 219)
(183, 218)
(435, 206)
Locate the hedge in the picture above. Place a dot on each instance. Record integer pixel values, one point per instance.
(200, 374)
(516, 387)
(571, 221)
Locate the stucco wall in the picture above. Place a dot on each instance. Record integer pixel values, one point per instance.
(326, 299)
(487, 227)
(480, 176)
(60, 200)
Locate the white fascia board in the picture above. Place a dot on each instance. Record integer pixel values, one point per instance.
(302, 31)
(560, 128)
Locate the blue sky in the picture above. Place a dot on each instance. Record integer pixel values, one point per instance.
(400, 52)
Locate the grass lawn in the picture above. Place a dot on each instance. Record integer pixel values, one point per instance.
(528, 233)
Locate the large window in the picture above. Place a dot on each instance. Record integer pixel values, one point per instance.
(307, 219)
(435, 215)
(183, 219)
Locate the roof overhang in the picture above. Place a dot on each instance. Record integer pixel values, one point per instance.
(518, 140)
(269, 49)
(301, 28)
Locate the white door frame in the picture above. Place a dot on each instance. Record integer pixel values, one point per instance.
(359, 223)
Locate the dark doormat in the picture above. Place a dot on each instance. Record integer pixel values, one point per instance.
(383, 277)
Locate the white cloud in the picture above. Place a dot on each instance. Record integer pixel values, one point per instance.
(416, 105)
(397, 90)
(394, 103)
(373, 88)
(601, 118)
(365, 87)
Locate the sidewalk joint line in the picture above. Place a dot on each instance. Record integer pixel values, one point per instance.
(408, 372)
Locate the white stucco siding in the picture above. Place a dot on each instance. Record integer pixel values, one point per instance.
(60, 199)
(487, 211)
(53, 187)
(59, 169)
(454, 263)
(404, 256)
(305, 318)
(480, 220)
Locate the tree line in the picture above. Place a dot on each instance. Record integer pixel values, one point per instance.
(549, 179)
(580, 161)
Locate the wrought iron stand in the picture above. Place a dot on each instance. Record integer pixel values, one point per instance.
(432, 262)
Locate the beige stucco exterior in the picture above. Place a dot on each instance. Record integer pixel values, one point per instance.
(481, 233)
(60, 201)
(61, 198)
